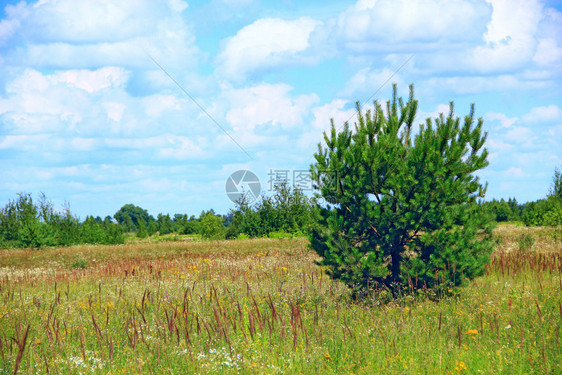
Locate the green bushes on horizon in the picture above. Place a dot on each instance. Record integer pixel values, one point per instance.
(24, 223)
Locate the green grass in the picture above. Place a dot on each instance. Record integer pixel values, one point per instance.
(263, 306)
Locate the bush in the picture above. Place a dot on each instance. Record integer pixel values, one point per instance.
(279, 234)
(211, 227)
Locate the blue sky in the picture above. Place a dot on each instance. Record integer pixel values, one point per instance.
(88, 118)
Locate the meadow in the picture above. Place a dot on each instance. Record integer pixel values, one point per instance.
(263, 306)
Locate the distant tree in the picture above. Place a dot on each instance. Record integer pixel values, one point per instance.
(180, 221)
(403, 207)
(152, 226)
(165, 224)
(287, 210)
(502, 210)
(546, 211)
(556, 188)
(128, 224)
(29, 232)
(134, 213)
(515, 208)
(93, 231)
(67, 228)
(192, 226)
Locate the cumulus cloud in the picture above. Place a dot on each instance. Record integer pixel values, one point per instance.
(334, 110)
(369, 26)
(519, 134)
(477, 84)
(92, 34)
(548, 52)
(505, 122)
(265, 44)
(510, 36)
(59, 101)
(547, 113)
(369, 81)
(267, 104)
(514, 172)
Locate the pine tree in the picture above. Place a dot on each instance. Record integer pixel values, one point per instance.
(404, 208)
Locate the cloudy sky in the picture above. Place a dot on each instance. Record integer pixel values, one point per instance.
(87, 116)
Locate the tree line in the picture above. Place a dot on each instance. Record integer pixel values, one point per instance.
(25, 222)
(288, 212)
(543, 212)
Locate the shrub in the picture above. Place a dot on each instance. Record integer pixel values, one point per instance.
(211, 227)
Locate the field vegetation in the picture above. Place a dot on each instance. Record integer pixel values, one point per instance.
(265, 306)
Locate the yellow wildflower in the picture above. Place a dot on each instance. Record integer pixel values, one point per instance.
(460, 367)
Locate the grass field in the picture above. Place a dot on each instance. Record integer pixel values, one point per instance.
(263, 306)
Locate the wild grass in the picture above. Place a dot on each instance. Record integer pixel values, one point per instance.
(264, 306)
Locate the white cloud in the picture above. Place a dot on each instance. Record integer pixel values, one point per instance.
(156, 104)
(510, 37)
(321, 123)
(499, 146)
(90, 21)
(333, 110)
(441, 109)
(92, 34)
(369, 26)
(267, 104)
(178, 5)
(548, 52)
(10, 25)
(92, 81)
(505, 122)
(59, 101)
(83, 111)
(114, 110)
(476, 84)
(514, 172)
(367, 81)
(182, 148)
(266, 43)
(543, 114)
(519, 134)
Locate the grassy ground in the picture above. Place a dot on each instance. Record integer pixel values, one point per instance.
(263, 306)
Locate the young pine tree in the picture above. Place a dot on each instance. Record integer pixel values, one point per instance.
(404, 207)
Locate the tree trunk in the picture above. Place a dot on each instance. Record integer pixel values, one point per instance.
(396, 256)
